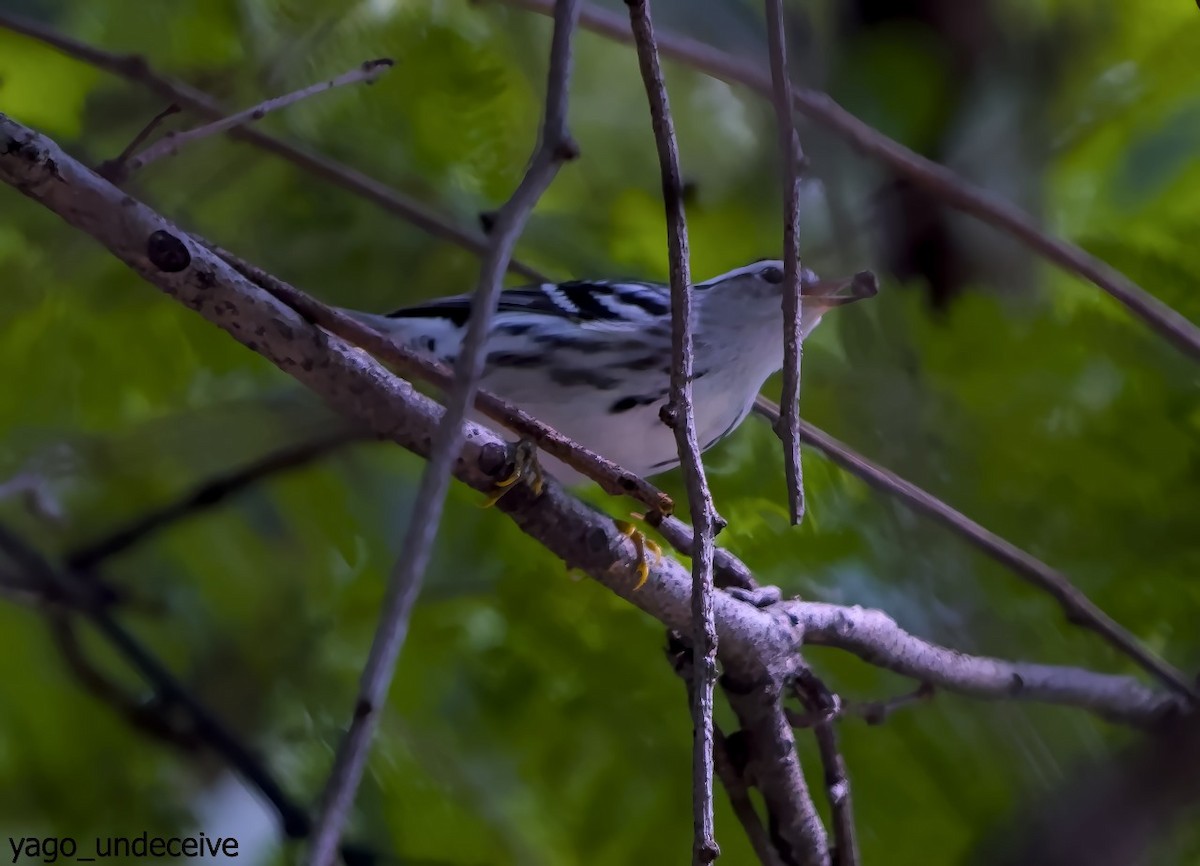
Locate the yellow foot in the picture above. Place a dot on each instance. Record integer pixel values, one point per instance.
(641, 543)
(525, 466)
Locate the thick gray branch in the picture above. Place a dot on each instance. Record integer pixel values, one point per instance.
(875, 637)
(774, 768)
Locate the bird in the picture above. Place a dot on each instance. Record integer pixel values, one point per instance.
(592, 358)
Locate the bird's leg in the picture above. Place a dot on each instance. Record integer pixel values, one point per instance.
(523, 457)
(641, 544)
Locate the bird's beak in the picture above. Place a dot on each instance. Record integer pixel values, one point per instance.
(839, 293)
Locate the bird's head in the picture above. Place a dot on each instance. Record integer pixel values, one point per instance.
(753, 295)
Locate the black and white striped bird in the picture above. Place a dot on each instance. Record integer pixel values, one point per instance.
(593, 359)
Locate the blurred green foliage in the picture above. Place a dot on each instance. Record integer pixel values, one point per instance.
(534, 719)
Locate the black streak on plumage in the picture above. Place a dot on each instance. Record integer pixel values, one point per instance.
(586, 298)
(456, 312)
(632, 402)
(651, 305)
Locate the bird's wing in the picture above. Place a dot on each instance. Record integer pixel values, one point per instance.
(599, 305)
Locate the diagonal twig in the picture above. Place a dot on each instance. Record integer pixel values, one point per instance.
(773, 767)
(152, 717)
(680, 415)
(404, 583)
(729, 763)
(133, 67)
(211, 492)
(1078, 608)
(872, 712)
(791, 156)
(728, 570)
(115, 168)
(825, 706)
(733, 779)
(938, 180)
(366, 72)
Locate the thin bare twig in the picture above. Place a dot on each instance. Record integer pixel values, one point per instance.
(680, 415)
(924, 173)
(825, 706)
(878, 712)
(837, 787)
(871, 712)
(114, 169)
(211, 492)
(404, 584)
(728, 570)
(791, 157)
(773, 767)
(151, 717)
(730, 769)
(1078, 607)
(732, 776)
(134, 68)
(366, 72)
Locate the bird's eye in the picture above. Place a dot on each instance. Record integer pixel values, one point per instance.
(772, 275)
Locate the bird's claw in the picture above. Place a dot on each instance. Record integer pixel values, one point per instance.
(641, 544)
(525, 467)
